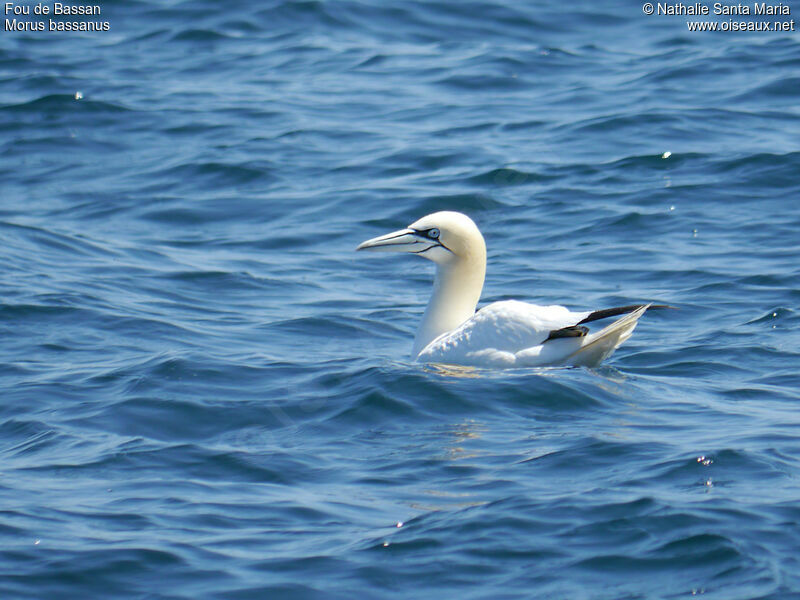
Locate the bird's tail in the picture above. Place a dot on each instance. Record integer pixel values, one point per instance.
(599, 346)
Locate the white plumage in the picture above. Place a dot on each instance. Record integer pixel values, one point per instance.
(502, 334)
(512, 334)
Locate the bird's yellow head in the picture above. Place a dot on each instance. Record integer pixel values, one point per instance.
(443, 237)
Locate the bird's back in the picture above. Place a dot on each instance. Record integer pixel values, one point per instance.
(494, 334)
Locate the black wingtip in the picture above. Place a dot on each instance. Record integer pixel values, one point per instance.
(567, 332)
(620, 310)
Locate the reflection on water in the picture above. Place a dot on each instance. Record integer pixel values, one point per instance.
(453, 370)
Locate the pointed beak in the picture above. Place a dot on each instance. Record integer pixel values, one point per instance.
(404, 240)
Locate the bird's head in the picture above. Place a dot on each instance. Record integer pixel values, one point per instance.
(443, 237)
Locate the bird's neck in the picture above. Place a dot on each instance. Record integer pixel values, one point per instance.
(456, 291)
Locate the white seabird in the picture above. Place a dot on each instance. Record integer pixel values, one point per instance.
(503, 334)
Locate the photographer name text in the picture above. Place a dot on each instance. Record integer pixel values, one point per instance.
(718, 8)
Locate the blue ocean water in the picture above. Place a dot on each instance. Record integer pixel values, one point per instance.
(206, 394)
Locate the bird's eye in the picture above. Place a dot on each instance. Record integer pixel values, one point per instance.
(433, 233)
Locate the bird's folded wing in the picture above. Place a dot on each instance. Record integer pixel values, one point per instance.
(498, 331)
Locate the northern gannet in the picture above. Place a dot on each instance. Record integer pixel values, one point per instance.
(503, 334)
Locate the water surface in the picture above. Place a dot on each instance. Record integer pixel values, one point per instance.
(207, 394)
